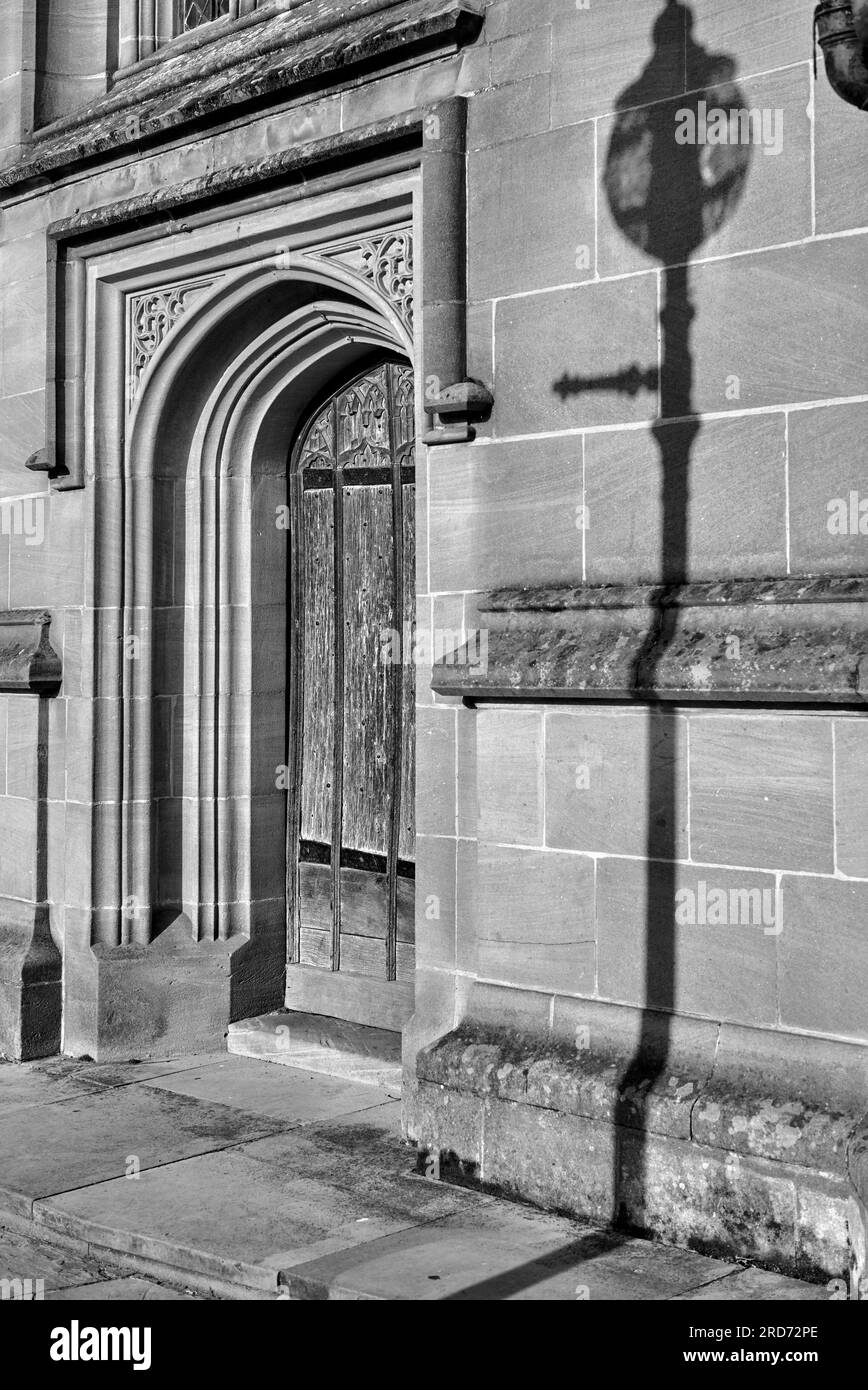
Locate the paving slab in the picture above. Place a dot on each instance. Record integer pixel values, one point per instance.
(757, 1286)
(109, 1074)
(91, 1138)
(25, 1084)
(22, 1257)
(297, 1097)
(259, 1181)
(28, 1084)
(249, 1212)
(499, 1253)
(51, 1273)
(128, 1290)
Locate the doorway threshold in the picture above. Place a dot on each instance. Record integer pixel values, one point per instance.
(313, 1042)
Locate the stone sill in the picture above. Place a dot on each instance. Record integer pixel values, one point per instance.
(682, 1098)
(771, 641)
(28, 662)
(281, 57)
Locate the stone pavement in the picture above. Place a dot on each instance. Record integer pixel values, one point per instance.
(230, 1177)
(57, 1274)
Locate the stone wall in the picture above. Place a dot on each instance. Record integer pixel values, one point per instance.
(536, 831)
(565, 490)
(574, 844)
(53, 539)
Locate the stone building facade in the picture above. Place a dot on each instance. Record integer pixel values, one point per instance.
(606, 262)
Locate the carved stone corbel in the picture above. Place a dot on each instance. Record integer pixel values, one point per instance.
(28, 662)
(455, 410)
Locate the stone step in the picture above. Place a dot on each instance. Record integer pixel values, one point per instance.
(319, 1044)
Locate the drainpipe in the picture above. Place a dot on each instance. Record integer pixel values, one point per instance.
(841, 26)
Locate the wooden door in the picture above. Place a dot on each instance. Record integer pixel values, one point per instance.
(351, 851)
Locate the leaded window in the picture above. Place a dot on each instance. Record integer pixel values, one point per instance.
(192, 13)
(146, 26)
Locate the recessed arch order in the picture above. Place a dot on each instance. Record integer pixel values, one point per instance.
(203, 615)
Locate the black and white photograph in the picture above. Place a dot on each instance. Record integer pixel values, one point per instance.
(433, 672)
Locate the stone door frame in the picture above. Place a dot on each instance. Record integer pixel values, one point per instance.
(315, 304)
(158, 956)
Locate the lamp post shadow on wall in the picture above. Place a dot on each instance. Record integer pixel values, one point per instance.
(667, 198)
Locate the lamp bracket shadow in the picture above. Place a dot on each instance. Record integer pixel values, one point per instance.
(626, 383)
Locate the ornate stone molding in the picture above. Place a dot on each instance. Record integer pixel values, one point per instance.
(313, 46)
(431, 139)
(28, 662)
(386, 262)
(748, 641)
(151, 316)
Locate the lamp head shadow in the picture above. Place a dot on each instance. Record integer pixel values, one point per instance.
(676, 169)
(668, 188)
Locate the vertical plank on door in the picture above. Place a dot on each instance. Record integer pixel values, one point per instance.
(368, 617)
(318, 729)
(407, 840)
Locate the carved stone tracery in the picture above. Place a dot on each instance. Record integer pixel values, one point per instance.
(365, 423)
(152, 315)
(386, 262)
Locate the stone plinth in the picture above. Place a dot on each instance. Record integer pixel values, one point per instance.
(802, 641)
(28, 663)
(30, 963)
(728, 1140)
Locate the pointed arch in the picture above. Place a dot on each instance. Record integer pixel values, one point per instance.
(200, 732)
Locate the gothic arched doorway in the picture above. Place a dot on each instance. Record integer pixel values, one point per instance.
(350, 840)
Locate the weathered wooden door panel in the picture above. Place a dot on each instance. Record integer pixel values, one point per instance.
(369, 717)
(407, 836)
(319, 656)
(351, 851)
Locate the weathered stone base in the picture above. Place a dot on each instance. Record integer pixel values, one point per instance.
(168, 998)
(30, 987)
(719, 1148)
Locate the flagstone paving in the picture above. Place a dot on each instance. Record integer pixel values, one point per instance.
(54, 1274)
(226, 1176)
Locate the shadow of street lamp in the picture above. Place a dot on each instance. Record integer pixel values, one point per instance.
(669, 189)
